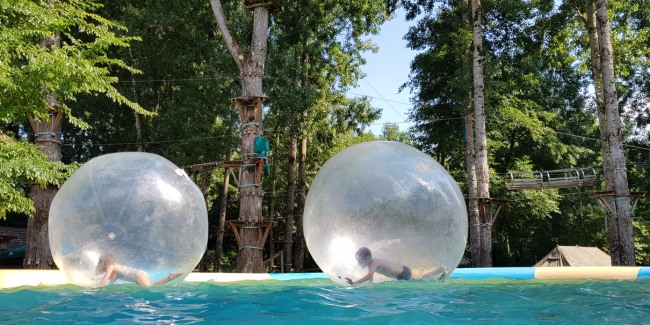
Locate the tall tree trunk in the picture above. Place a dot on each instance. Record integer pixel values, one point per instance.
(300, 206)
(48, 139)
(615, 133)
(274, 173)
(482, 172)
(205, 189)
(251, 68)
(470, 161)
(596, 74)
(218, 249)
(138, 124)
(291, 180)
(474, 220)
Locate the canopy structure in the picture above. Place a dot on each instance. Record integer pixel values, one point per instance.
(575, 256)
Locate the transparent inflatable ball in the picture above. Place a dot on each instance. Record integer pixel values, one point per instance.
(135, 209)
(385, 202)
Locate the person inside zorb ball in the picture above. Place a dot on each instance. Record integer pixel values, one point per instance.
(381, 211)
(128, 218)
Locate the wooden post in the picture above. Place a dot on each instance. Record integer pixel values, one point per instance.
(274, 172)
(281, 263)
(291, 178)
(218, 250)
(299, 257)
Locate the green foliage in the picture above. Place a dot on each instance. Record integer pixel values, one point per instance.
(642, 241)
(391, 132)
(33, 65)
(78, 65)
(187, 79)
(179, 77)
(23, 162)
(537, 80)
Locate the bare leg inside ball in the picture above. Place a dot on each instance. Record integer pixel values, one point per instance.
(143, 279)
(436, 271)
(172, 276)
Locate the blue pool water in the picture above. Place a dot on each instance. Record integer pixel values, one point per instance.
(320, 301)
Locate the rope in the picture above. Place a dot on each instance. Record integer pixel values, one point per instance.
(48, 133)
(249, 185)
(251, 247)
(251, 227)
(253, 123)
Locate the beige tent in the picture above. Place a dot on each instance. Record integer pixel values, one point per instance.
(575, 256)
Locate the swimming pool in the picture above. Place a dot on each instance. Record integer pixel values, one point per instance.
(320, 301)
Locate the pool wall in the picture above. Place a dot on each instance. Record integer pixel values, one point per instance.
(18, 278)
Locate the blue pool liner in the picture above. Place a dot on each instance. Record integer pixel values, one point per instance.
(494, 272)
(297, 276)
(644, 273)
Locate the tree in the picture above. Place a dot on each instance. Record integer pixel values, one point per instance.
(470, 160)
(315, 58)
(251, 66)
(482, 169)
(23, 162)
(597, 75)
(38, 79)
(615, 141)
(221, 227)
(535, 86)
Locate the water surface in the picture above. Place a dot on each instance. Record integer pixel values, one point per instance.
(312, 302)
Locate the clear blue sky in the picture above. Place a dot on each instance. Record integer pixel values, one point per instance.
(386, 71)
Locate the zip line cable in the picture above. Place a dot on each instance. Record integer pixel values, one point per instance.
(382, 97)
(288, 128)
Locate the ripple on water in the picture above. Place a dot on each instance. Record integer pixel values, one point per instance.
(320, 301)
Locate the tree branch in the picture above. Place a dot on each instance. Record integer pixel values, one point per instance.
(582, 18)
(233, 48)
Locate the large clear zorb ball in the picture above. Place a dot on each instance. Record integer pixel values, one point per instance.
(392, 199)
(138, 207)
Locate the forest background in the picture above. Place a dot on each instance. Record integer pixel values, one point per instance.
(540, 108)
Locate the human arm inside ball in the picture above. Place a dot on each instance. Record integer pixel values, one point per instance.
(371, 272)
(110, 270)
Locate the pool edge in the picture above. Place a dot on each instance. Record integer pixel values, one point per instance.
(12, 278)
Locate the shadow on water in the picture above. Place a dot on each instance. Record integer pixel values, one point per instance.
(321, 301)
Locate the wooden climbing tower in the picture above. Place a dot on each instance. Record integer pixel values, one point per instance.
(490, 203)
(249, 178)
(606, 201)
(262, 228)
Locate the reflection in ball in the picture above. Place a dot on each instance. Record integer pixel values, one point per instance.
(391, 198)
(138, 207)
